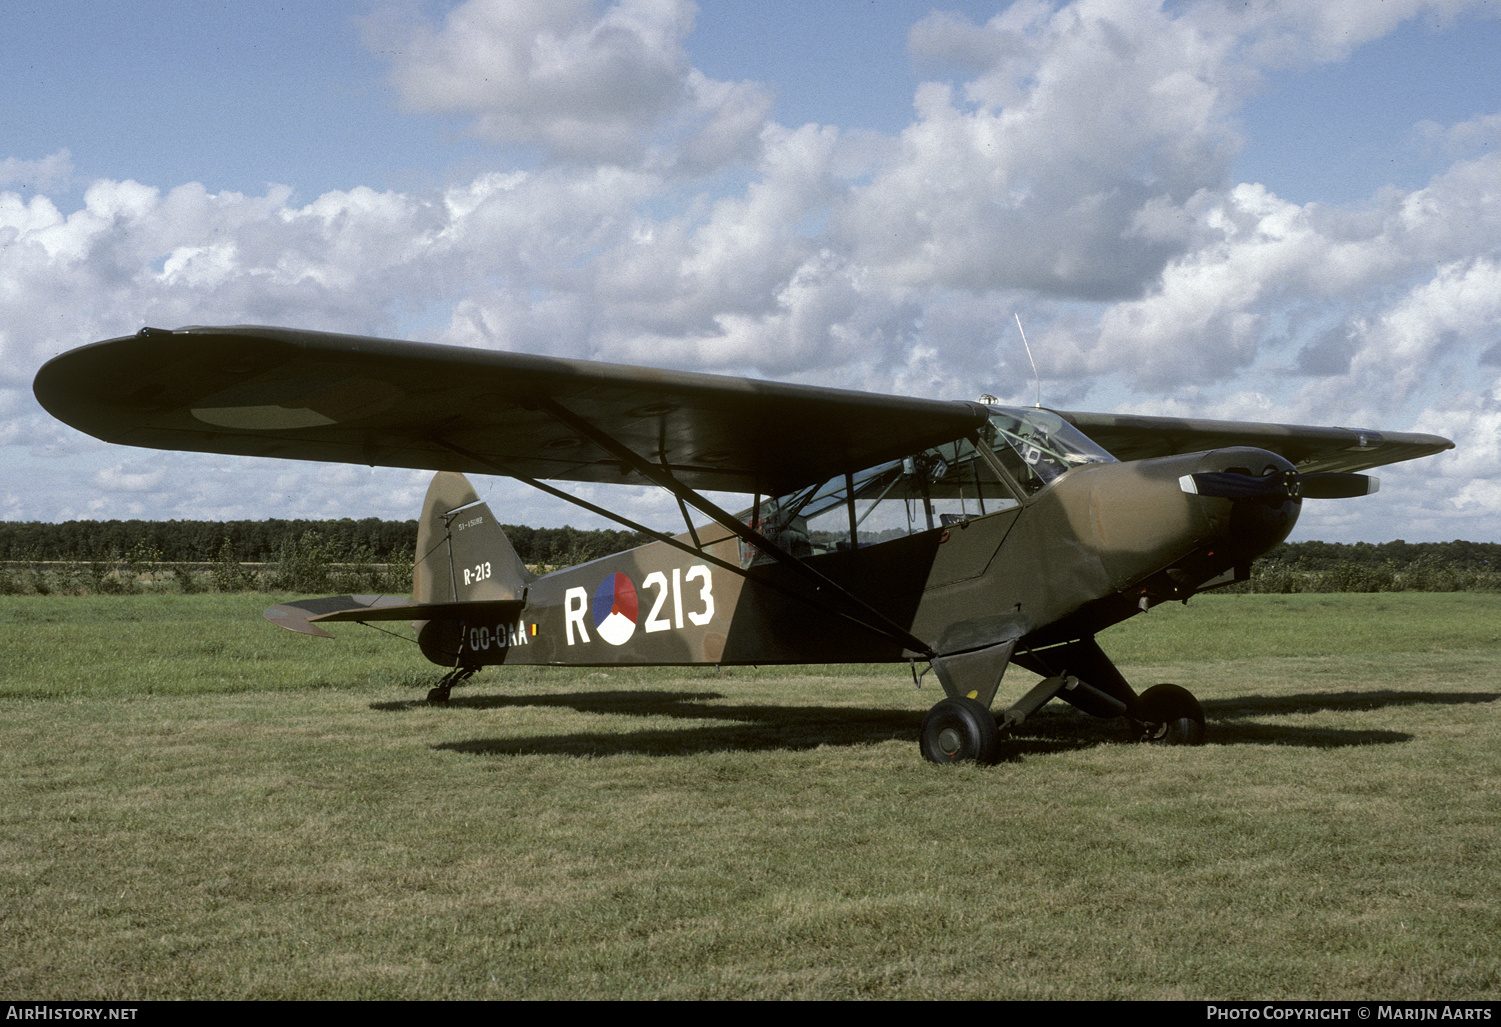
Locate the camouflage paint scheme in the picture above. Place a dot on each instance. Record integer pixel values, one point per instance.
(1152, 509)
(1068, 562)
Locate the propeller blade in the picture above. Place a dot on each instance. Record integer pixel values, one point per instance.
(1235, 485)
(1336, 485)
(1287, 485)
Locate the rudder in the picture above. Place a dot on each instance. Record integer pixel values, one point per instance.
(462, 553)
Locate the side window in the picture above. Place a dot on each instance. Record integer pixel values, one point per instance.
(925, 491)
(961, 484)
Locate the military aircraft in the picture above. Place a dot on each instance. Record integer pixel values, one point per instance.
(964, 535)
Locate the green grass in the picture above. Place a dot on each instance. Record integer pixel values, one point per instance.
(194, 804)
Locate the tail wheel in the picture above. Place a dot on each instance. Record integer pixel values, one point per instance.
(457, 676)
(1169, 715)
(959, 731)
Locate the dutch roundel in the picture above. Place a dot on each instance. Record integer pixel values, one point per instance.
(614, 609)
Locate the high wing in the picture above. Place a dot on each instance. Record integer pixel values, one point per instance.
(1312, 450)
(277, 392)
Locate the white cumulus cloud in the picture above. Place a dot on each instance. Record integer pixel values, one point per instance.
(1078, 172)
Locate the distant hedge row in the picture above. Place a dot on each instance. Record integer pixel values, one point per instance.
(369, 539)
(1369, 567)
(1291, 567)
(1282, 579)
(1399, 555)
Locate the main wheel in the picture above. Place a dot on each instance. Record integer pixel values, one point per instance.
(1169, 715)
(959, 731)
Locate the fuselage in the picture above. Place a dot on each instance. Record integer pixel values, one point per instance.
(1084, 547)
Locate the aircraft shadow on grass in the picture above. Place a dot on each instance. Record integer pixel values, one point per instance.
(752, 727)
(773, 727)
(1225, 713)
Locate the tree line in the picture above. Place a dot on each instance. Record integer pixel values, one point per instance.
(1399, 555)
(387, 541)
(373, 555)
(1398, 566)
(367, 540)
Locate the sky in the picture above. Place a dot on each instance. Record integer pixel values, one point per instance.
(1276, 211)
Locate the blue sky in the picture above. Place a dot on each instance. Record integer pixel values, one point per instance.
(1281, 211)
(239, 95)
(1338, 132)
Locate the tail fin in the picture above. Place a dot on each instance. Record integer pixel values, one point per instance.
(462, 555)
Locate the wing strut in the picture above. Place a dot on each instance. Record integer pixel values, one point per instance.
(883, 625)
(664, 478)
(682, 506)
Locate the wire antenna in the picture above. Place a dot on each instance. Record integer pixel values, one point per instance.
(1035, 375)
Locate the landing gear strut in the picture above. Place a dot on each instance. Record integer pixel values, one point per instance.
(457, 676)
(961, 729)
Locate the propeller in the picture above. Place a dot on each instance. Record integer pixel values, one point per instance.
(1279, 485)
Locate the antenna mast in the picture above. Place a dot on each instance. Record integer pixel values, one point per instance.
(1035, 375)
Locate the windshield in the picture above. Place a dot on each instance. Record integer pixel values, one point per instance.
(1037, 445)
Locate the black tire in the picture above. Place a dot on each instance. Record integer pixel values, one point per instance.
(1169, 715)
(959, 731)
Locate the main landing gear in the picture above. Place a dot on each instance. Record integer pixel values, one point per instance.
(961, 729)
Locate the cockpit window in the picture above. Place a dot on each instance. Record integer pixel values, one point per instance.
(931, 489)
(1037, 445)
(928, 490)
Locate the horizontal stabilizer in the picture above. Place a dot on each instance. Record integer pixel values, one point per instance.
(299, 616)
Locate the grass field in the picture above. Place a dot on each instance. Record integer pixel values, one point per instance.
(194, 804)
